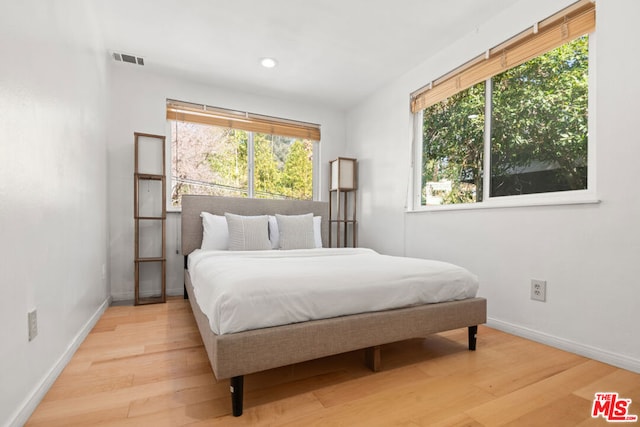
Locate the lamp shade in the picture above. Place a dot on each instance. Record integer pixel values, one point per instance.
(343, 174)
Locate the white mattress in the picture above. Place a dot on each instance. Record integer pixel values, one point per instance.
(243, 290)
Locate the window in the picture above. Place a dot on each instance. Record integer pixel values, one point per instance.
(453, 148)
(540, 122)
(225, 153)
(497, 128)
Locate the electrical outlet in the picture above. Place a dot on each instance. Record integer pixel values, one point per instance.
(32, 317)
(538, 290)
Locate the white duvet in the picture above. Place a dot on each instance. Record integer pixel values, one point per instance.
(242, 290)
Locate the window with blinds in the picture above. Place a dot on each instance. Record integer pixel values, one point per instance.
(512, 121)
(217, 151)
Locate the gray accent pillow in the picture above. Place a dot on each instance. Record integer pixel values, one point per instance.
(296, 231)
(248, 233)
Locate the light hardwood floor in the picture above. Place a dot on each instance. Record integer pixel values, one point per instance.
(146, 366)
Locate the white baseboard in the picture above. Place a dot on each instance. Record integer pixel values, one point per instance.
(30, 404)
(598, 354)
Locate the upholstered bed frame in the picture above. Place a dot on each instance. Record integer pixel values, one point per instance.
(235, 355)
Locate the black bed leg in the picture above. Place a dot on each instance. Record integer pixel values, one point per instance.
(236, 395)
(473, 333)
(186, 295)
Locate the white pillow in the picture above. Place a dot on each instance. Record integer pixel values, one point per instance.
(274, 232)
(296, 231)
(215, 235)
(317, 230)
(248, 233)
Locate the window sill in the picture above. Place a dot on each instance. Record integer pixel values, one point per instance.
(512, 202)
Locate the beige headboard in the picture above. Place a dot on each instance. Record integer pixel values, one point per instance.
(193, 205)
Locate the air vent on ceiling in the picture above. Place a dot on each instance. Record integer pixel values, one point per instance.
(131, 59)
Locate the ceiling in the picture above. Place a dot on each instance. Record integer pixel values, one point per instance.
(333, 52)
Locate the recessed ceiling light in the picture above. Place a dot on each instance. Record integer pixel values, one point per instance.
(268, 62)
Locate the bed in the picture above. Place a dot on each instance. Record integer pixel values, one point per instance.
(235, 354)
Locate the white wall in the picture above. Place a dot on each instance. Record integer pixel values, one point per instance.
(53, 225)
(588, 253)
(138, 102)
